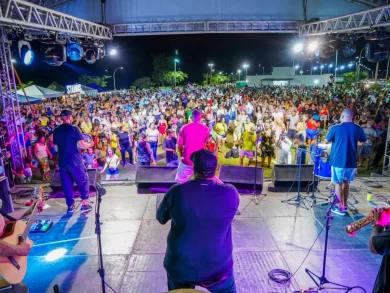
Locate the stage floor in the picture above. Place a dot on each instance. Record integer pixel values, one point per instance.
(266, 236)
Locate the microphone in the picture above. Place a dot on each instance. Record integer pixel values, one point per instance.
(101, 190)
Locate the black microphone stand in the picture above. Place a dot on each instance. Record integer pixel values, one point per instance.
(298, 200)
(320, 281)
(100, 192)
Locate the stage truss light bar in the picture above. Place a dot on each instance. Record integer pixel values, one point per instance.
(20, 14)
(174, 28)
(356, 22)
(370, 3)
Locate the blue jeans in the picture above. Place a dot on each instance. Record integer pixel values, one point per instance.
(74, 174)
(226, 285)
(153, 146)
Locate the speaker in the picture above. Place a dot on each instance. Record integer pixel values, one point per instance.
(93, 178)
(155, 179)
(243, 178)
(285, 178)
(5, 196)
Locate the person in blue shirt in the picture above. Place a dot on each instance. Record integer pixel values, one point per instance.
(343, 157)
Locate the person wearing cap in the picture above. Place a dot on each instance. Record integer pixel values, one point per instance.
(199, 244)
(67, 141)
(192, 137)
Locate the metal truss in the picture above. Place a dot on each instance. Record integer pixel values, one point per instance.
(140, 29)
(371, 3)
(35, 18)
(50, 3)
(10, 102)
(386, 158)
(361, 21)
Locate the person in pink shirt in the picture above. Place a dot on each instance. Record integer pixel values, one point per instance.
(192, 138)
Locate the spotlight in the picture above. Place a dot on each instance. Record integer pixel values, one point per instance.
(74, 51)
(90, 56)
(113, 52)
(313, 46)
(298, 47)
(25, 52)
(55, 54)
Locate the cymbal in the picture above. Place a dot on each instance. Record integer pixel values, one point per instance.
(186, 291)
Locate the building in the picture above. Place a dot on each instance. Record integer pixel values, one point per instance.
(282, 76)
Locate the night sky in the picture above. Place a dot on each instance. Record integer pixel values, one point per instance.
(227, 51)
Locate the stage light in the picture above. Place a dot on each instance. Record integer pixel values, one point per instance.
(313, 46)
(13, 61)
(25, 52)
(55, 254)
(298, 47)
(296, 66)
(90, 56)
(113, 52)
(55, 54)
(74, 51)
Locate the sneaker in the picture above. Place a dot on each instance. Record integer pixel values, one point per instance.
(85, 208)
(71, 209)
(338, 211)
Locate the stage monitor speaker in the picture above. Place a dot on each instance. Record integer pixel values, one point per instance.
(5, 196)
(286, 177)
(155, 179)
(93, 179)
(243, 178)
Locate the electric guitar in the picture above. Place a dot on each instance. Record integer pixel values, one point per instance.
(13, 268)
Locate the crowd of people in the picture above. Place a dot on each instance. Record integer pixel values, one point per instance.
(265, 122)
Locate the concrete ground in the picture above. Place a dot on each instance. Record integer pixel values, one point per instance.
(266, 236)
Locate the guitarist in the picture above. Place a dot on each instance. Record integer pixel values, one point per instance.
(6, 249)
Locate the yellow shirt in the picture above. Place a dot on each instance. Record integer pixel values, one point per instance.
(44, 121)
(248, 141)
(86, 127)
(114, 141)
(220, 128)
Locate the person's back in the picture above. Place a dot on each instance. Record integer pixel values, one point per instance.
(193, 136)
(344, 138)
(202, 212)
(66, 137)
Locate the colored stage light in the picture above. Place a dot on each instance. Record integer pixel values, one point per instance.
(74, 51)
(25, 52)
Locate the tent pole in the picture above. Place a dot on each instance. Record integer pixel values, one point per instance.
(22, 87)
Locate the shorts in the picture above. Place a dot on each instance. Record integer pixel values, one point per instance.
(184, 172)
(323, 118)
(237, 136)
(366, 151)
(112, 171)
(221, 137)
(339, 175)
(291, 133)
(174, 163)
(311, 133)
(248, 154)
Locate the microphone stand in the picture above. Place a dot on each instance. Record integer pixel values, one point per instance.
(320, 281)
(298, 200)
(98, 232)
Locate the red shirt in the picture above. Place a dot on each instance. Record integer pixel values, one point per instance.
(311, 124)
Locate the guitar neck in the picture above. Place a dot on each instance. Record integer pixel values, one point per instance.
(30, 221)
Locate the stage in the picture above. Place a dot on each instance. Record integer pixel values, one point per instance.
(266, 236)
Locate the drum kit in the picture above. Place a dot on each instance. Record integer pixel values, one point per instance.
(320, 156)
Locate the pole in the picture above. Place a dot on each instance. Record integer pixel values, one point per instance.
(239, 74)
(376, 71)
(174, 84)
(358, 69)
(246, 72)
(387, 71)
(259, 69)
(263, 70)
(335, 68)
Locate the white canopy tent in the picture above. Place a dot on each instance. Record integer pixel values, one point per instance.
(39, 92)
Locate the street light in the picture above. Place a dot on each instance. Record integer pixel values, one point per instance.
(245, 65)
(175, 61)
(298, 47)
(114, 75)
(296, 66)
(239, 74)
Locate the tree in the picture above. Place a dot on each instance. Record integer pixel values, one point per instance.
(219, 78)
(143, 83)
(94, 80)
(169, 77)
(351, 77)
(27, 84)
(161, 66)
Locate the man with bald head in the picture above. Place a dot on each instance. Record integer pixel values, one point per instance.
(192, 138)
(343, 157)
